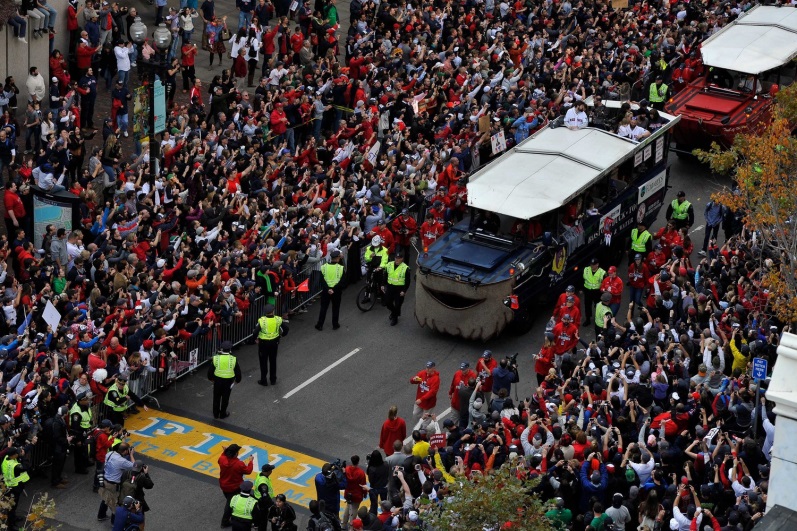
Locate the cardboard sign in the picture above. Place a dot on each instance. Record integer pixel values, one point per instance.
(51, 316)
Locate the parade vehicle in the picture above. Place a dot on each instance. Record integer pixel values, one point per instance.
(731, 88)
(537, 215)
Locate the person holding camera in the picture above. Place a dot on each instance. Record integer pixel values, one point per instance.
(128, 514)
(328, 484)
(504, 376)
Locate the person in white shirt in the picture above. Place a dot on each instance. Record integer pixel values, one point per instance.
(629, 129)
(576, 117)
(122, 53)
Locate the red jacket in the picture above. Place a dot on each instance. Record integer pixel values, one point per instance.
(232, 472)
(404, 227)
(392, 430)
(544, 361)
(614, 286)
(566, 337)
(638, 276)
(459, 380)
(354, 478)
(84, 54)
(428, 385)
(268, 40)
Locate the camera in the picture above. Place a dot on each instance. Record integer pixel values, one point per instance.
(337, 470)
(513, 358)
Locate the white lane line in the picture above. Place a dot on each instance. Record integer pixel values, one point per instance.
(322, 373)
(696, 229)
(439, 418)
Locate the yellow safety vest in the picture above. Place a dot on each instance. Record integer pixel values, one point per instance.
(381, 253)
(10, 479)
(85, 416)
(260, 481)
(242, 506)
(225, 366)
(600, 311)
(122, 393)
(639, 241)
(657, 94)
(680, 210)
(593, 280)
(396, 275)
(269, 327)
(332, 274)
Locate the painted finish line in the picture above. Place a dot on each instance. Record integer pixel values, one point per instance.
(197, 446)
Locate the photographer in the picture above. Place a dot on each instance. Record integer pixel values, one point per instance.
(128, 514)
(505, 375)
(328, 484)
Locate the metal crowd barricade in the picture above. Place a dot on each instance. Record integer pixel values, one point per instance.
(194, 352)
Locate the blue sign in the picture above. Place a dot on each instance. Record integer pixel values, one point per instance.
(159, 92)
(759, 369)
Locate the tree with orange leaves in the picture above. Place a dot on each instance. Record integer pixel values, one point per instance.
(764, 166)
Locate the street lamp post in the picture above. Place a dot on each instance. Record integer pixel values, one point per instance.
(162, 40)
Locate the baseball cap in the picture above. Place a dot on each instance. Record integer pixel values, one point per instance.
(487, 354)
(226, 346)
(430, 364)
(464, 365)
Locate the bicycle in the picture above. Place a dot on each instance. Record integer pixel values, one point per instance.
(366, 298)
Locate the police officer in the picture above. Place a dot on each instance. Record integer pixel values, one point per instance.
(602, 311)
(244, 508)
(80, 420)
(681, 211)
(641, 239)
(224, 371)
(264, 478)
(331, 290)
(116, 402)
(269, 329)
(15, 476)
(398, 280)
(593, 277)
(376, 256)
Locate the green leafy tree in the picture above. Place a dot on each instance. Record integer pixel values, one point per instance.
(764, 166)
(496, 501)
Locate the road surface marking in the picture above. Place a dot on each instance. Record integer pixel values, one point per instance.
(439, 417)
(322, 373)
(196, 446)
(696, 229)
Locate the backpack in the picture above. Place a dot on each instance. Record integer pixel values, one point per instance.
(321, 523)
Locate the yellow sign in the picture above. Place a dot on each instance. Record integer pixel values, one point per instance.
(197, 446)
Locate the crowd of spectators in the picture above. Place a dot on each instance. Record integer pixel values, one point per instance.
(311, 136)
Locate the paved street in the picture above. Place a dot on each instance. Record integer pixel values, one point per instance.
(355, 374)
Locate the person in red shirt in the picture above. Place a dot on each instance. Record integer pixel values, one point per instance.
(460, 380)
(15, 210)
(431, 230)
(428, 382)
(662, 281)
(383, 232)
(545, 359)
(231, 474)
(458, 199)
(103, 443)
(565, 335)
(568, 308)
(187, 57)
(613, 285)
(393, 429)
(657, 258)
(404, 228)
(668, 238)
(279, 123)
(354, 492)
(484, 368)
(570, 291)
(638, 274)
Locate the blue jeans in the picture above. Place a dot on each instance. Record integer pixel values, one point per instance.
(121, 120)
(244, 19)
(187, 35)
(615, 309)
(317, 128)
(56, 188)
(110, 171)
(636, 296)
(52, 14)
(20, 26)
(123, 76)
